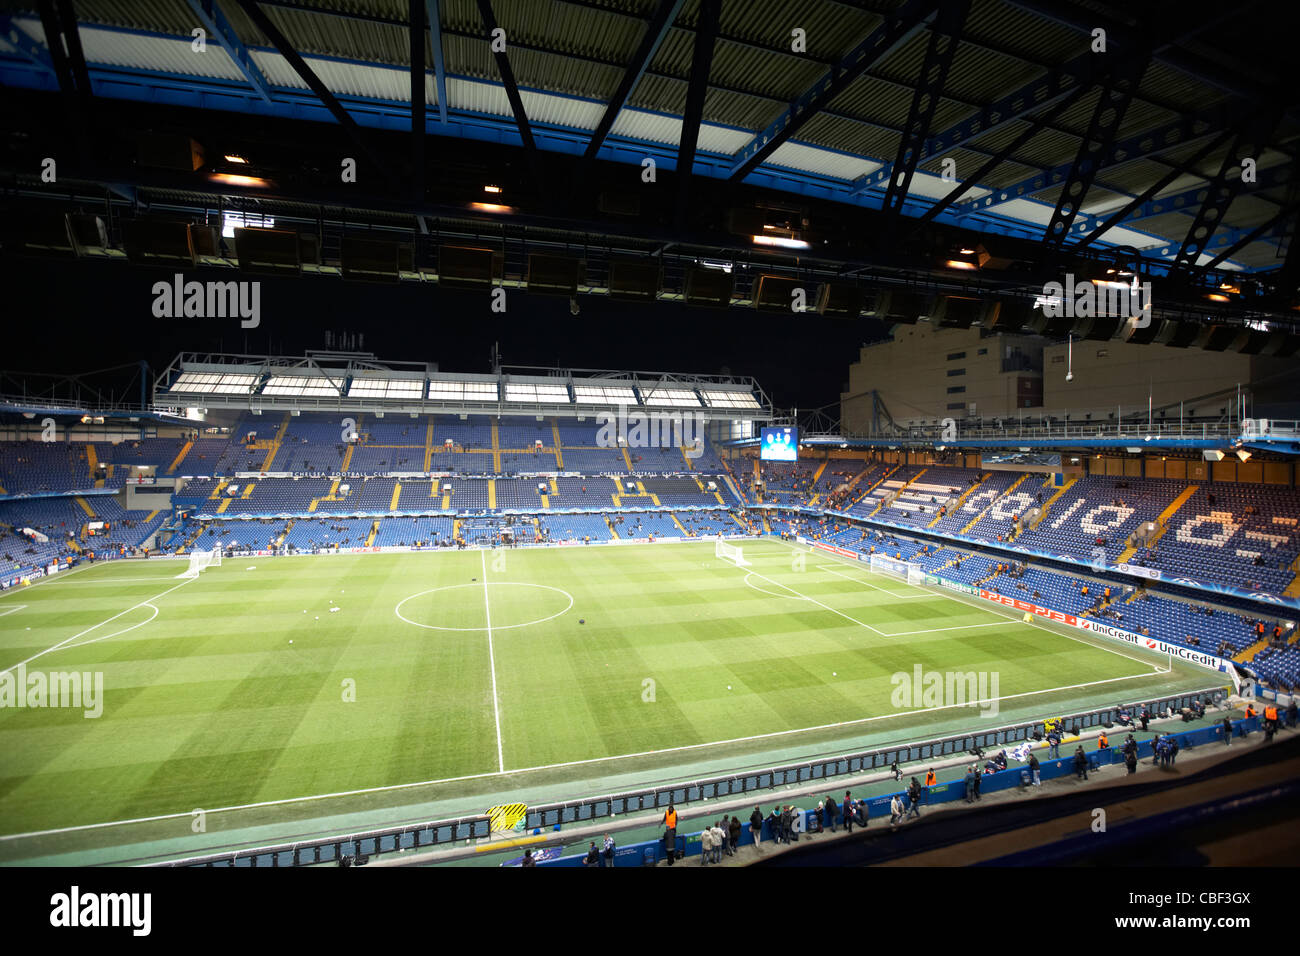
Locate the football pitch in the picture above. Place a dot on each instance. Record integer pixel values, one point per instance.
(278, 689)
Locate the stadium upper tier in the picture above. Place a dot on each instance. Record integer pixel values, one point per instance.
(359, 445)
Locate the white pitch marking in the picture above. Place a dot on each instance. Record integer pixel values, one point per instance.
(96, 640)
(496, 709)
(10, 610)
(69, 640)
(847, 577)
(558, 766)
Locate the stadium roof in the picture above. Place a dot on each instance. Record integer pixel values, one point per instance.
(817, 100)
(326, 381)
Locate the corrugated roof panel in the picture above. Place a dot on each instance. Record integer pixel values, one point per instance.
(653, 128)
(862, 139)
(468, 57)
(674, 54)
(830, 29)
(876, 100)
(159, 16)
(736, 109)
(1016, 30)
(570, 29)
(659, 94)
(982, 76)
(352, 39)
(131, 51)
(344, 79)
(491, 99)
(934, 187)
(780, 76)
(822, 162)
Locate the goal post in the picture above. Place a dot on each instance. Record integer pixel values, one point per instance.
(199, 560)
(730, 552)
(913, 574)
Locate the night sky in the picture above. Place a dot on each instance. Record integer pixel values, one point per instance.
(70, 317)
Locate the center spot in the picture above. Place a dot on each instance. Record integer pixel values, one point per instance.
(463, 607)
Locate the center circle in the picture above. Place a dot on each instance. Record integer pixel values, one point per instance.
(484, 606)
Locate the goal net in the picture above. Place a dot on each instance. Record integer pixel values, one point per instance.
(200, 560)
(911, 573)
(729, 552)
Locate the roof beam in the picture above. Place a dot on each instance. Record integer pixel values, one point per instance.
(1170, 54)
(419, 128)
(1099, 227)
(1188, 199)
(701, 63)
(220, 30)
(1036, 126)
(1223, 188)
(945, 35)
(1145, 145)
(1265, 228)
(433, 13)
(508, 79)
(328, 99)
(1107, 115)
(655, 32)
(897, 29)
(28, 48)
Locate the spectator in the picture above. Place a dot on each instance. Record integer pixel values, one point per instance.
(719, 842)
(914, 799)
(528, 859)
(593, 856)
(706, 846)
(756, 825)
(848, 812)
(670, 833)
(733, 832)
(608, 853)
(1033, 770)
(1080, 764)
(895, 810)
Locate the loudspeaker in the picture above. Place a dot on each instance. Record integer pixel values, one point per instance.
(776, 293)
(554, 275)
(839, 300)
(637, 280)
(375, 260)
(169, 151)
(158, 242)
(463, 267)
(268, 252)
(957, 312)
(710, 288)
(901, 306)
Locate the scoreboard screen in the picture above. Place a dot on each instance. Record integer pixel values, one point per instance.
(779, 444)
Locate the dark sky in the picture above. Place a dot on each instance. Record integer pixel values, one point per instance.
(69, 316)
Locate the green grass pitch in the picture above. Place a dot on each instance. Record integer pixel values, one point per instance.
(471, 670)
